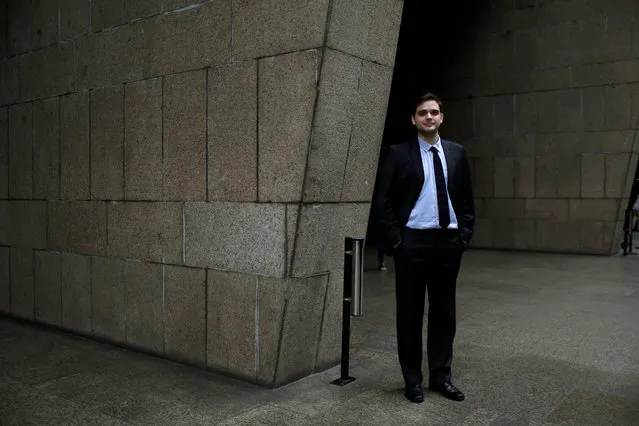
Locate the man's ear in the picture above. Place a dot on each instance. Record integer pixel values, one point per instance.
(412, 118)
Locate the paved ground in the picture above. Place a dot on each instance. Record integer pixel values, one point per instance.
(542, 339)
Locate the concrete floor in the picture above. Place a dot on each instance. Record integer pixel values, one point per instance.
(542, 339)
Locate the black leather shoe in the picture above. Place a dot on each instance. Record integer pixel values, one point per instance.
(414, 393)
(447, 390)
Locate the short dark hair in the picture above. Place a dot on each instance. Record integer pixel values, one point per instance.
(425, 98)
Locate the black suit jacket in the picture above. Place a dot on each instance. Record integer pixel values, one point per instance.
(400, 184)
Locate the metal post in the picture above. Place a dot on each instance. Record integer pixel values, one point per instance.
(352, 303)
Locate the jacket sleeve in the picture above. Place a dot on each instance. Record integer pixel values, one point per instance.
(383, 204)
(467, 206)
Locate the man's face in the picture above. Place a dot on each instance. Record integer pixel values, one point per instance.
(427, 118)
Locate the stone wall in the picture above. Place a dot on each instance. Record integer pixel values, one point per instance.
(546, 100)
(178, 176)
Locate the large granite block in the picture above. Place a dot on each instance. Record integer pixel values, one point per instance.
(231, 327)
(46, 72)
(288, 86)
(143, 140)
(107, 143)
(367, 131)
(5, 280)
(136, 9)
(593, 103)
(593, 175)
(504, 177)
(4, 153)
(538, 208)
(185, 314)
(232, 132)
(5, 223)
(9, 80)
(320, 237)
(108, 298)
(271, 301)
(184, 145)
(569, 176)
(187, 39)
(22, 277)
(332, 126)
(301, 328)
(570, 107)
(76, 292)
(504, 115)
(74, 147)
(46, 149)
(615, 141)
(555, 235)
(484, 177)
(44, 28)
(503, 233)
(618, 109)
(524, 170)
(146, 231)
(330, 340)
(270, 27)
(368, 30)
(19, 26)
(546, 176)
(145, 306)
(526, 113)
(239, 237)
(106, 13)
(28, 224)
(77, 226)
(75, 18)
(619, 168)
(593, 210)
(504, 208)
(48, 287)
(21, 151)
(524, 234)
(292, 214)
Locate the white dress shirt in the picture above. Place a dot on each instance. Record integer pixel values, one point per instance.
(425, 214)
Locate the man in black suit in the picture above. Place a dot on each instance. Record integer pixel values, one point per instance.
(424, 204)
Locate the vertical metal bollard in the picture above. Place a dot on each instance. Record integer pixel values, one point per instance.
(352, 302)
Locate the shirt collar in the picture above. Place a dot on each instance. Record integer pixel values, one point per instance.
(425, 146)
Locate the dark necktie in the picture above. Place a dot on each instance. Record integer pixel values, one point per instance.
(442, 196)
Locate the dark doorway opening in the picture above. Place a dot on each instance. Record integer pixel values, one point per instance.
(435, 40)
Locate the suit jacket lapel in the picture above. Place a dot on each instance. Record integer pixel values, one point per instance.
(416, 160)
(450, 162)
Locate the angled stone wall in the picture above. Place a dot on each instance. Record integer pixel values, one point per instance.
(178, 176)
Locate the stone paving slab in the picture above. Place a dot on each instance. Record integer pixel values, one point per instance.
(542, 339)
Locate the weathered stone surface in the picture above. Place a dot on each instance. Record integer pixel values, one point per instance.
(74, 147)
(524, 234)
(143, 140)
(76, 292)
(107, 143)
(288, 85)
(504, 208)
(5, 223)
(232, 132)
(554, 235)
(546, 174)
(231, 325)
(484, 177)
(146, 231)
(75, 18)
(108, 298)
(9, 80)
(570, 108)
(270, 27)
(4, 153)
(504, 177)
(367, 31)
(144, 306)
(46, 72)
(44, 26)
(537, 208)
(46, 149)
(136, 9)
(503, 233)
(367, 131)
(19, 22)
(78, 226)
(5, 280)
(593, 210)
(47, 287)
(271, 302)
(106, 13)
(28, 224)
(619, 168)
(31, 25)
(321, 232)
(21, 151)
(504, 115)
(330, 340)
(186, 39)
(593, 175)
(185, 314)
(569, 176)
(239, 237)
(332, 126)
(301, 328)
(22, 271)
(593, 101)
(185, 136)
(292, 213)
